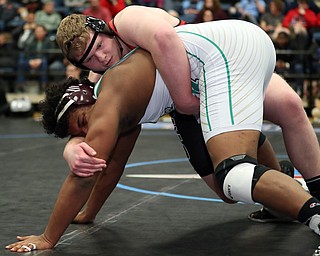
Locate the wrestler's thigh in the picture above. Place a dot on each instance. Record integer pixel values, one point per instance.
(280, 99)
(226, 145)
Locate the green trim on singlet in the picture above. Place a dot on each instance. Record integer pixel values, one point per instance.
(227, 70)
(97, 85)
(205, 82)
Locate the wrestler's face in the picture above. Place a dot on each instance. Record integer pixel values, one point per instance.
(104, 53)
(78, 121)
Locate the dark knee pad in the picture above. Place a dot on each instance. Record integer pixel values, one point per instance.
(190, 135)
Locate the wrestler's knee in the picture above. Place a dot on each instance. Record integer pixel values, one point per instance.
(292, 103)
(237, 177)
(211, 181)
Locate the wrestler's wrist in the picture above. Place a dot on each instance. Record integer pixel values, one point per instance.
(190, 108)
(47, 240)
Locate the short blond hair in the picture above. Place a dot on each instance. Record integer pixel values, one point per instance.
(72, 35)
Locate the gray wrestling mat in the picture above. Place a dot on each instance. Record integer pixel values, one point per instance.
(159, 208)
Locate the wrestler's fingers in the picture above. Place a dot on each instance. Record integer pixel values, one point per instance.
(19, 248)
(85, 174)
(93, 162)
(30, 243)
(22, 247)
(87, 167)
(22, 238)
(86, 148)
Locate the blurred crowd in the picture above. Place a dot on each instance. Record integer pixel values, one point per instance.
(28, 27)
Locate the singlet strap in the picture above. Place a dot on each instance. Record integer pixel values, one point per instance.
(113, 28)
(181, 22)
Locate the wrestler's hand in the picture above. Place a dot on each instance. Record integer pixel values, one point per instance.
(191, 107)
(30, 243)
(81, 160)
(82, 218)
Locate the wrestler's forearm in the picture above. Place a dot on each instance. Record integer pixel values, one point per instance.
(174, 68)
(109, 178)
(170, 57)
(73, 195)
(104, 186)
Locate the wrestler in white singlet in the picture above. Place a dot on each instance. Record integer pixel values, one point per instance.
(231, 64)
(232, 61)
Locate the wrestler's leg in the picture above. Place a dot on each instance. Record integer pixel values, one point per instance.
(109, 178)
(282, 106)
(190, 134)
(211, 181)
(273, 189)
(267, 156)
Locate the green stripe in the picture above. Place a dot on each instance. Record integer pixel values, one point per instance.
(205, 83)
(227, 70)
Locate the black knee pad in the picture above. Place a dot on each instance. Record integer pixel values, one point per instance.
(190, 135)
(262, 139)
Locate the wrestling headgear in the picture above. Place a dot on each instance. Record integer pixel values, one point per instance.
(80, 94)
(98, 26)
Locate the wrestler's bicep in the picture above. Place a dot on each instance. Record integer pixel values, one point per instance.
(103, 128)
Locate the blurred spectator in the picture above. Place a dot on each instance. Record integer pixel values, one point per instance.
(75, 6)
(190, 9)
(8, 59)
(251, 10)
(98, 11)
(114, 6)
(315, 33)
(286, 62)
(33, 59)
(7, 46)
(32, 5)
(207, 15)
(7, 13)
(73, 71)
(61, 8)
(211, 10)
(315, 57)
(300, 20)
(271, 21)
(18, 19)
(314, 5)
(48, 17)
(24, 34)
(22, 12)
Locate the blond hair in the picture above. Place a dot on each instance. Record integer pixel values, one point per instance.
(72, 35)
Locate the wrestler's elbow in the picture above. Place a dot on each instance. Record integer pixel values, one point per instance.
(164, 39)
(83, 182)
